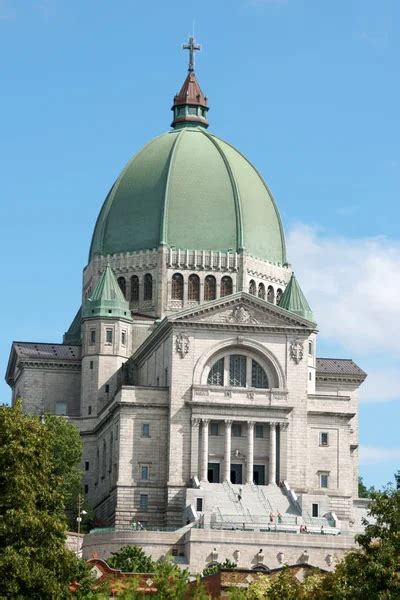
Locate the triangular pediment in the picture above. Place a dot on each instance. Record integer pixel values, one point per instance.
(241, 310)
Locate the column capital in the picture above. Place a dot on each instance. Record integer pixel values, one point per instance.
(205, 422)
(250, 424)
(228, 423)
(195, 421)
(273, 424)
(283, 426)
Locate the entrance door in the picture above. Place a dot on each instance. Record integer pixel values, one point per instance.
(259, 474)
(236, 473)
(213, 472)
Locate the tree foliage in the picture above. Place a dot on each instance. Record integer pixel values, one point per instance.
(363, 490)
(34, 561)
(171, 581)
(131, 559)
(217, 566)
(67, 453)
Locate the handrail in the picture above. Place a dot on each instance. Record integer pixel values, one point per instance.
(262, 498)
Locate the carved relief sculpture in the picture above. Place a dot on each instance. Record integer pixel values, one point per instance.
(182, 344)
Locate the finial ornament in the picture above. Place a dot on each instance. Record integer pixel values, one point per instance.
(192, 47)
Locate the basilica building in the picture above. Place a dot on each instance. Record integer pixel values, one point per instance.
(211, 429)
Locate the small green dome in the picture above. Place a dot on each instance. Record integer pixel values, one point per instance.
(189, 189)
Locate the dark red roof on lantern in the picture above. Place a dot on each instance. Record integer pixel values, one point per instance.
(190, 93)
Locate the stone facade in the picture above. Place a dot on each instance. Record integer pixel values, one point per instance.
(159, 435)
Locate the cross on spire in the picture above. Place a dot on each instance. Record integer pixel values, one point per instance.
(192, 47)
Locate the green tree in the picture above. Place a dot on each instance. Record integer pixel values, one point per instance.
(131, 559)
(363, 490)
(34, 561)
(218, 566)
(373, 571)
(67, 453)
(171, 581)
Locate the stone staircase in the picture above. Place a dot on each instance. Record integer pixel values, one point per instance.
(222, 506)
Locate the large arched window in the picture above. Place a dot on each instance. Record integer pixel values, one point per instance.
(148, 287)
(261, 291)
(252, 287)
(210, 288)
(122, 285)
(177, 286)
(279, 295)
(226, 286)
(134, 288)
(238, 370)
(194, 288)
(270, 294)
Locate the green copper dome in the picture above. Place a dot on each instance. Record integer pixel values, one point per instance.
(191, 190)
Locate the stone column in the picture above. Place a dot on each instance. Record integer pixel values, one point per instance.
(272, 453)
(227, 454)
(250, 451)
(204, 450)
(194, 448)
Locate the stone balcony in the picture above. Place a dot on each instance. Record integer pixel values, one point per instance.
(249, 397)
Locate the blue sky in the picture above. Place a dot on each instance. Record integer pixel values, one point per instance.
(307, 89)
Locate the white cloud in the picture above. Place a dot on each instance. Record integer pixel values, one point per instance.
(381, 385)
(353, 286)
(372, 456)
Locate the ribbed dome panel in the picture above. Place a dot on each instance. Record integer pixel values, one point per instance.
(189, 189)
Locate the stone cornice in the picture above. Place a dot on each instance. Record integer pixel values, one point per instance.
(336, 378)
(331, 413)
(52, 365)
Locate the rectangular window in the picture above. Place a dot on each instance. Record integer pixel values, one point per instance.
(109, 336)
(91, 365)
(92, 337)
(144, 501)
(323, 439)
(324, 480)
(237, 370)
(144, 472)
(89, 410)
(199, 504)
(61, 408)
(236, 430)
(107, 388)
(214, 429)
(146, 430)
(87, 465)
(86, 488)
(309, 347)
(315, 510)
(123, 338)
(259, 431)
(310, 376)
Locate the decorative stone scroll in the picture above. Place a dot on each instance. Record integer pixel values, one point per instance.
(296, 351)
(182, 344)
